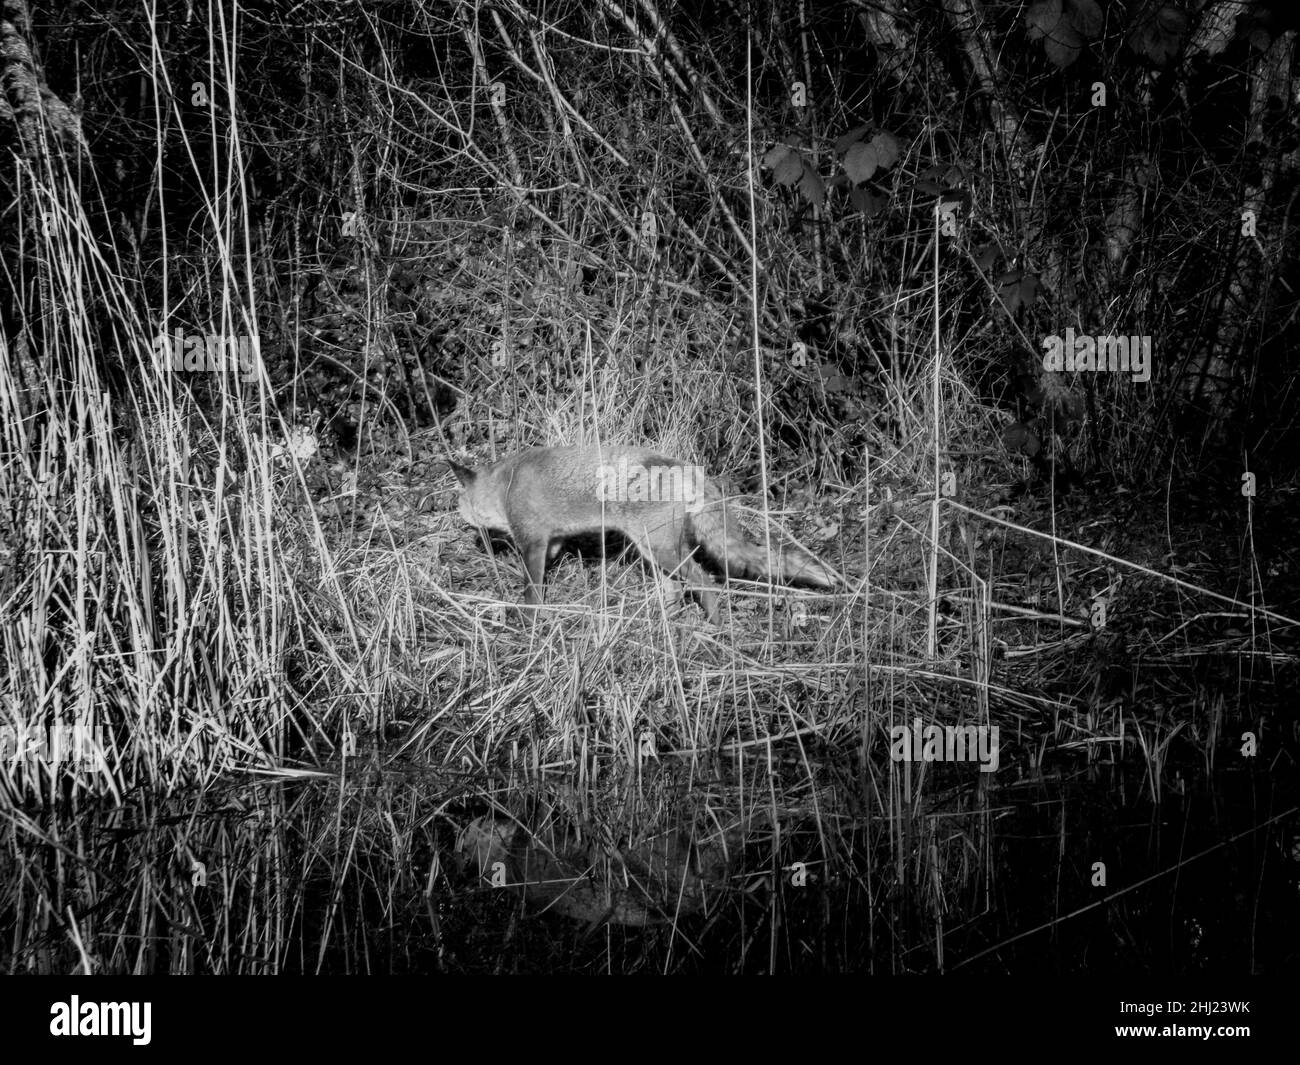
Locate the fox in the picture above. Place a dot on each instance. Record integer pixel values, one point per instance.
(672, 513)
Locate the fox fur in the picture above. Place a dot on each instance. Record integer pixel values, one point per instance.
(547, 495)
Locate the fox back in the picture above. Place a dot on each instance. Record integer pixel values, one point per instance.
(668, 510)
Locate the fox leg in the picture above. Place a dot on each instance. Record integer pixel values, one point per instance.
(701, 586)
(681, 564)
(537, 553)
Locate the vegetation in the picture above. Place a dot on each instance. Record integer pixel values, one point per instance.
(264, 709)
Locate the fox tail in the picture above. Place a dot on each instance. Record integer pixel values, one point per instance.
(720, 536)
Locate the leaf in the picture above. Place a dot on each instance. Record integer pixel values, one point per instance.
(1064, 27)
(789, 170)
(1029, 288)
(1087, 18)
(986, 256)
(773, 156)
(868, 201)
(846, 140)
(860, 163)
(1017, 289)
(1159, 36)
(1043, 18)
(812, 187)
(887, 149)
(931, 181)
(841, 383)
(1020, 438)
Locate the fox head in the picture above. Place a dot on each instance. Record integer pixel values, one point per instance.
(481, 500)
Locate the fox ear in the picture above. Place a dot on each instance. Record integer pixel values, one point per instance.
(463, 473)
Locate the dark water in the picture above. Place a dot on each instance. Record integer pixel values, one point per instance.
(1069, 873)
